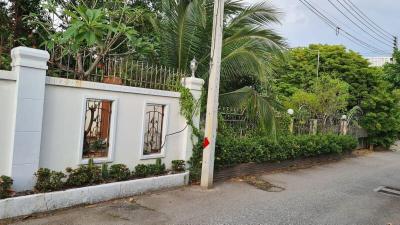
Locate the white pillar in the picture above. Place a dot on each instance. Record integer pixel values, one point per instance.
(194, 85)
(343, 127)
(313, 126)
(29, 65)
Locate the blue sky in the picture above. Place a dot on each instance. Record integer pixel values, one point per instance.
(301, 27)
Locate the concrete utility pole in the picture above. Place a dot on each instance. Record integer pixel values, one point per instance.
(207, 171)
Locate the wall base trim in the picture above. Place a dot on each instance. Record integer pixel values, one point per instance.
(26, 205)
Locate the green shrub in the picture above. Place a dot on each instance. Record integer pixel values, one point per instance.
(84, 175)
(156, 169)
(178, 165)
(49, 180)
(119, 172)
(143, 170)
(5, 187)
(105, 174)
(195, 163)
(230, 150)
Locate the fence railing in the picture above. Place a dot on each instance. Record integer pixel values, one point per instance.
(114, 69)
(237, 120)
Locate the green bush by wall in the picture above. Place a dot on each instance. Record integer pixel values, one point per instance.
(230, 151)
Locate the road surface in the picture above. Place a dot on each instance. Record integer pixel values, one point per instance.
(335, 193)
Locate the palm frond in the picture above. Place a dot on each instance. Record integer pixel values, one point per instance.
(353, 114)
(248, 44)
(259, 108)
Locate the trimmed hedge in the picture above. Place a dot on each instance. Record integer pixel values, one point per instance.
(90, 174)
(231, 151)
(5, 187)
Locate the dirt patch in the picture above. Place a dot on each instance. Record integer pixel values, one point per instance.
(261, 184)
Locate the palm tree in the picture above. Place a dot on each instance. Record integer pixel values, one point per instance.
(259, 108)
(248, 49)
(248, 44)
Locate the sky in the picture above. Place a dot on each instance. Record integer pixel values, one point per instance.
(301, 27)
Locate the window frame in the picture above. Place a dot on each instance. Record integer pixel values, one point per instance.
(112, 134)
(142, 156)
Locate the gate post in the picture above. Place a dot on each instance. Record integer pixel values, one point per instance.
(29, 66)
(343, 125)
(195, 86)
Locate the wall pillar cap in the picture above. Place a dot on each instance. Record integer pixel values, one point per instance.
(193, 83)
(29, 57)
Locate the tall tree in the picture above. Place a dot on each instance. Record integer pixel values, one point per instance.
(300, 70)
(392, 71)
(377, 98)
(5, 36)
(22, 31)
(90, 30)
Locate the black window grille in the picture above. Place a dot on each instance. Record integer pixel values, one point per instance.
(97, 128)
(153, 136)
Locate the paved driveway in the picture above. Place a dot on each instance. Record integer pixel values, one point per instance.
(337, 193)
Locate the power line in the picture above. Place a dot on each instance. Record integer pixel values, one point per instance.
(362, 22)
(338, 29)
(361, 15)
(344, 14)
(367, 18)
(338, 21)
(346, 34)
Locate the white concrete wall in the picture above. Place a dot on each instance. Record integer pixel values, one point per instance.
(62, 122)
(42, 120)
(7, 112)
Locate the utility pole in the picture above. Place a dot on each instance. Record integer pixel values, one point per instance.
(395, 47)
(318, 65)
(207, 171)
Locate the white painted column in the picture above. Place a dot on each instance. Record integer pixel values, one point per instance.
(194, 85)
(30, 66)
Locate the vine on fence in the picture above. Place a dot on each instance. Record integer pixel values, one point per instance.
(189, 107)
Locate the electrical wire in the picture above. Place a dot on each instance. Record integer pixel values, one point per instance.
(340, 30)
(389, 39)
(181, 130)
(351, 5)
(368, 19)
(339, 22)
(356, 24)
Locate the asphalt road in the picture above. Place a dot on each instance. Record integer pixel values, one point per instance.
(336, 193)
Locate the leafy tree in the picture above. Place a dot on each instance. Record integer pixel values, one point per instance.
(95, 27)
(5, 36)
(300, 70)
(14, 30)
(392, 71)
(377, 99)
(327, 97)
(23, 32)
(382, 115)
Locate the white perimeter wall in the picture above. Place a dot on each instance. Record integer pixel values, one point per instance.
(7, 112)
(42, 120)
(62, 122)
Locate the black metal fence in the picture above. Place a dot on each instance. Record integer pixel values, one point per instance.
(114, 69)
(241, 126)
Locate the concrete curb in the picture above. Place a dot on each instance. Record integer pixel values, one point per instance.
(26, 205)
